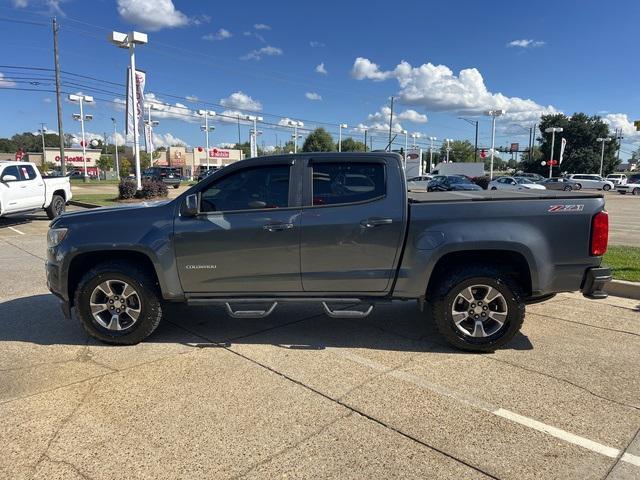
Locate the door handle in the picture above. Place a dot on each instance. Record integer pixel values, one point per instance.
(376, 221)
(277, 227)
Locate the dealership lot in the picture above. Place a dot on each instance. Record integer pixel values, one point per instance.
(301, 395)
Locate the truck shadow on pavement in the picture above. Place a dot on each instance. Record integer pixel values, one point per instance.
(399, 326)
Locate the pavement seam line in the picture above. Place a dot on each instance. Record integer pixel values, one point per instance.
(25, 251)
(348, 407)
(586, 324)
(624, 456)
(497, 411)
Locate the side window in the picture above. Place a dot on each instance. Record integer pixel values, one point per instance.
(28, 173)
(344, 182)
(11, 170)
(248, 189)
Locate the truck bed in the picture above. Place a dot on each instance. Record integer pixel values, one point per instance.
(489, 195)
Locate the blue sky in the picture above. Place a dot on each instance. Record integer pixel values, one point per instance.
(440, 60)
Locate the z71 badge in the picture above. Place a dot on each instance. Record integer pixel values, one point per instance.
(566, 208)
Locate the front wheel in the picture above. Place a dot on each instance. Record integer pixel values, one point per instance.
(606, 188)
(477, 308)
(567, 188)
(635, 191)
(56, 207)
(493, 188)
(118, 303)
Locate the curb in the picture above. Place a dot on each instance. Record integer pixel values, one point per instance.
(83, 204)
(622, 288)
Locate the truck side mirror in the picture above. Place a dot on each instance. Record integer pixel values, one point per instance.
(190, 205)
(9, 178)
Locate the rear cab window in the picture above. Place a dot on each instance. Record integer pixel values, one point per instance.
(340, 182)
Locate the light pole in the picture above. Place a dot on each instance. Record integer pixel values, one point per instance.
(448, 140)
(431, 139)
(415, 136)
(148, 139)
(129, 41)
(115, 142)
(43, 129)
(340, 127)
(254, 134)
(552, 131)
(475, 149)
(603, 141)
(206, 129)
(82, 117)
(295, 124)
(493, 114)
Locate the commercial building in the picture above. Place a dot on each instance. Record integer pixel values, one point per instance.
(73, 157)
(190, 161)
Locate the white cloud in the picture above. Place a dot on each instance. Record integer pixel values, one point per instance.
(254, 34)
(152, 15)
(226, 145)
(284, 122)
(167, 139)
(526, 43)
(6, 83)
(20, 3)
(316, 44)
(262, 26)
(47, 100)
(380, 119)
(321, 69)
(241, 101)
(269, 148)
(264, 51)
(412, 116)
(313, 96)
(436, 87)
(192, 98)
(621, 121)
(53, 6)
(222, 34)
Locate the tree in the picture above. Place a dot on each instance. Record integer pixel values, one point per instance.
(582, 152)
(125, 167)
(461, 151)
(105, 162)
(318, 141)
(145, 160)
(351, 145)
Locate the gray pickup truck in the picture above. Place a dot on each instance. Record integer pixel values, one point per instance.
(339, 229)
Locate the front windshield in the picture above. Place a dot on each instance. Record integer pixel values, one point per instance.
(454, 179)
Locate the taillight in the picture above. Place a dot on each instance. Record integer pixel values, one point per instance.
(599, 234)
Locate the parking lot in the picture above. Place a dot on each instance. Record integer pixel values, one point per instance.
(301, 395)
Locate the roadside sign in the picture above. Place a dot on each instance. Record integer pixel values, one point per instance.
(514, 147)
(483, 153)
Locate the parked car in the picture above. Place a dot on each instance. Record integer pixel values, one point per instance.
(289, 228)
(419, 183)
(632, 185)
(514, 183)
(591, 181)
(23, 190)
(617, 178)
(446, 183)
(169, 176)
(559, 183)
(532, 176)
(205, 172)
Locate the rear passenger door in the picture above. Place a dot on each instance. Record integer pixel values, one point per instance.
(32, 185)
(352, 225)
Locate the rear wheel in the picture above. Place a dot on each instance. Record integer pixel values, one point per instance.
(578, 186)
(118, 303)
(56, 207)
(567, 188)
(606, 188)
(622, 192)
(493, 188)
(636, 191)
(477, 308)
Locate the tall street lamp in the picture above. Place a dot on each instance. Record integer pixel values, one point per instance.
(475, 150)
(206, 129)
(340, 127)
(129, 41)
(603, 141)
(493, 114)
(254, 133)
(81, 117)
(295, 124)
(42, 131)
(448, 140)
(115, 142)
(431, 139)
(552, 131)
(415, 135)
(150, 124)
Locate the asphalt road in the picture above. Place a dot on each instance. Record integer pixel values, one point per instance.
(301, 395)
(624, 219)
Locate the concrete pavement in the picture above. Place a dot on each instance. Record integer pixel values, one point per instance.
(301, 395)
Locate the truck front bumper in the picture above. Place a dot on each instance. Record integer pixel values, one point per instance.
(594, 281)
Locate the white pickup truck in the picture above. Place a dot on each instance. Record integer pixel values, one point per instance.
(23, 189)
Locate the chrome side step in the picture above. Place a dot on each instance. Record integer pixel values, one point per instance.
(250, 313)
(346, 313)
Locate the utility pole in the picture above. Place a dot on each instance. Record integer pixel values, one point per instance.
(365, 140)
(115, 143)
(390, 123)
(42, 130)
(56, 61)
(619, 137)
(475, 148)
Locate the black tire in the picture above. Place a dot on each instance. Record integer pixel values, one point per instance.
(622, 192)
(176, 186)
(578, 186)
(606, 188)
(146, 289)
(443, 296)
(635, 191)
(567, 188)
(493, 188)
(56, 207)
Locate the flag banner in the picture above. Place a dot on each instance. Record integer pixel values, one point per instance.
(141, 78)
(148, 138)
(563, 144)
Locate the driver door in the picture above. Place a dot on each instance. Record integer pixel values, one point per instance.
(246, 238)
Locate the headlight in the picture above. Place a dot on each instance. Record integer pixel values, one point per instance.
(55, 236)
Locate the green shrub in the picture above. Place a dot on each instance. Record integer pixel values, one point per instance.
(152, 189)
